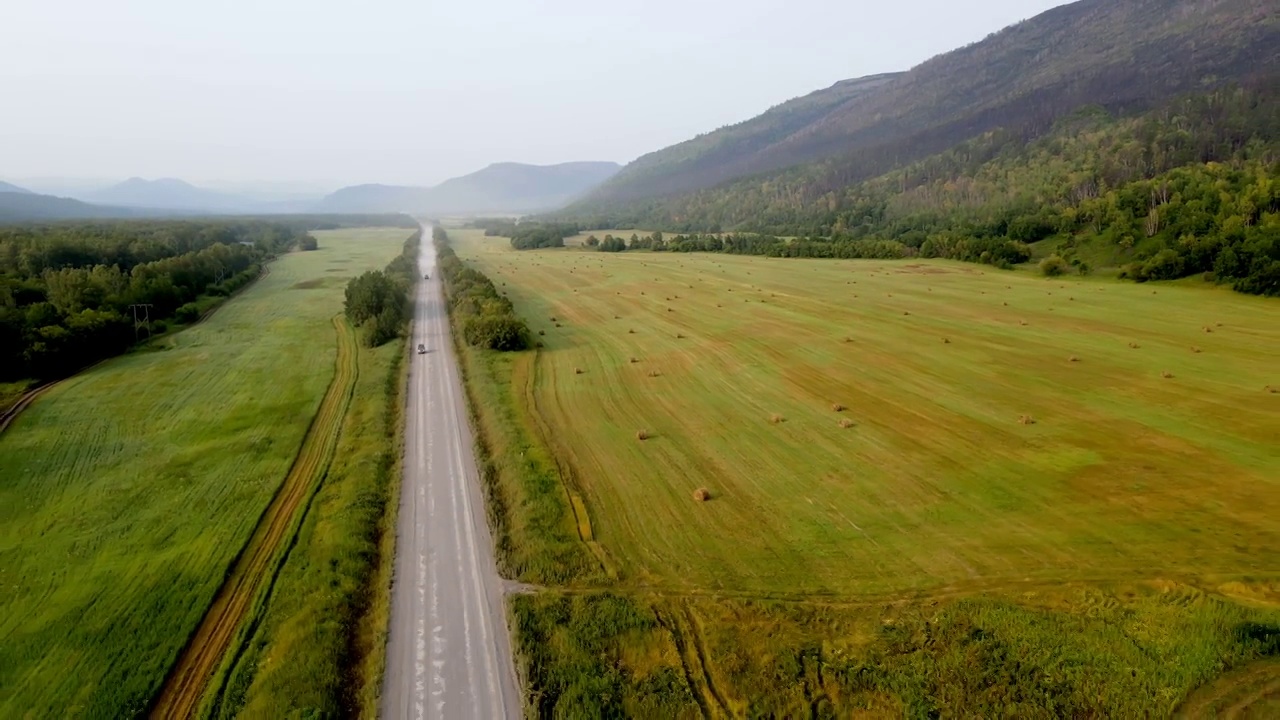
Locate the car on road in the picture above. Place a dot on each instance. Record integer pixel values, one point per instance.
(426, 276)
(422, 349)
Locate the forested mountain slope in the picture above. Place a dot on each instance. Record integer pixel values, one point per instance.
(733, 151)
(1124, 55)
(1192, 187)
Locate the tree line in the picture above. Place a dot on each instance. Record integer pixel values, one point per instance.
(68, 292)
(528, 235)
(486, 318)
(379, 302)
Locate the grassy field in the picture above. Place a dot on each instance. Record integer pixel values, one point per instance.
(129, 489)
(294, 662)
(1016, 456)
(936, 483)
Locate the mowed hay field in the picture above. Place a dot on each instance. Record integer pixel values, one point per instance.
(874, 428)
(127, 491)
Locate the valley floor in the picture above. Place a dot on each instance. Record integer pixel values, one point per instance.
(920, 473)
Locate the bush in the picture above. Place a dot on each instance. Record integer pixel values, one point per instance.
(1165, 265)
(1054, 266)
(503, 332)
(188, 313)
(308, 243)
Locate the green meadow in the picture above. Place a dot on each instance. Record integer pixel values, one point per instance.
(129, 489)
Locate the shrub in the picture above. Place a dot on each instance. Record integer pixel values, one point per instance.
(503, 332)
(1054, 266)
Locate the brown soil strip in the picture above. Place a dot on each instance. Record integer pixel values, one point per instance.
(253, 569)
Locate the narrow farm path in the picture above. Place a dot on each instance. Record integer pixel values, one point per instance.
(257, 564)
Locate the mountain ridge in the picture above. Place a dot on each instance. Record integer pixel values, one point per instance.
(1125, 55)
(499, 187)
(11, 188)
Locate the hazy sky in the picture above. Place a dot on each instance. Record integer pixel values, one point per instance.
(324, 93)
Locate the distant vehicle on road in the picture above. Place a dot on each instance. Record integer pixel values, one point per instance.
(422, 349)
(426, 277)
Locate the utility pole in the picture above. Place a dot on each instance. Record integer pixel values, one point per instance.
(145, 321)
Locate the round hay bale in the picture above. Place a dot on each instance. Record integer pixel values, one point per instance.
(578, 371)
(702, 494)
(641, 435)
(837, 407)
(1026, 420)
(775, 418)
(846, 423)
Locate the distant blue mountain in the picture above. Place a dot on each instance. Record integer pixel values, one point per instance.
(11, 188)
(502, 187)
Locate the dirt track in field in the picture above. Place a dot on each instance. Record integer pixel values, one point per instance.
(185, 687)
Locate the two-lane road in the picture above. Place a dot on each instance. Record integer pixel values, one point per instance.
(448, 654)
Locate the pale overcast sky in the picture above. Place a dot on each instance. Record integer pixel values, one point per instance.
(327, 93)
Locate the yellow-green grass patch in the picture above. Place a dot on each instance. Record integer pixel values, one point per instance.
(937, 484)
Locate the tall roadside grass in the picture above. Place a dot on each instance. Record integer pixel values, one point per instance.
(598, 656)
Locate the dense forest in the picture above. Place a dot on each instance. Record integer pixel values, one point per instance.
(69, 291)
(1190, 188)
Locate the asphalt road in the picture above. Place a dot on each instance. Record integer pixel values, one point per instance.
(449, 652)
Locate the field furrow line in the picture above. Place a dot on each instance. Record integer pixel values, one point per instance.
(252, 570)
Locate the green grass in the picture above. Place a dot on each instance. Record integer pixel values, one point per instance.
(297, 659)
(129, 489)
(936, 497)
(11, 392)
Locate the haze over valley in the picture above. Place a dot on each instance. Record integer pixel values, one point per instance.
(671, 360)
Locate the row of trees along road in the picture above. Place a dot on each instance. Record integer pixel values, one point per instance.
(379, 301)
(68, 292)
